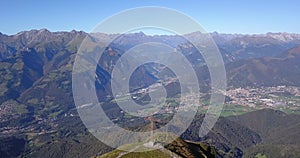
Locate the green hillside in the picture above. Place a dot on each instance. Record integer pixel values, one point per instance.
(178, 148)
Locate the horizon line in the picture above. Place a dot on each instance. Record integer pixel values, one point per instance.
(150, 33)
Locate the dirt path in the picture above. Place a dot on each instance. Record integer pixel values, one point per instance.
(124, 153)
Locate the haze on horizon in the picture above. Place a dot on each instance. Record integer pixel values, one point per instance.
(154, 32)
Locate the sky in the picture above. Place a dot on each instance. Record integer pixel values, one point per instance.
(224, 16)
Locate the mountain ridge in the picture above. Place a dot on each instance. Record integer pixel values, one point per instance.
(36, 104)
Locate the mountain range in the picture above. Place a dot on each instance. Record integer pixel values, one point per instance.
(38, 117)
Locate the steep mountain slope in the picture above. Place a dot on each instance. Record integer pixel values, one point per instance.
(280, 132)
(228, 137)
(272, 125)
(261, 45)
(42, 40)
(266, 71)
(36, 54)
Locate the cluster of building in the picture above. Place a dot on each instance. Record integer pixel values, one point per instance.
(265, 96)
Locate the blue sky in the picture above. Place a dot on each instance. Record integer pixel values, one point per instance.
(253, 16)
